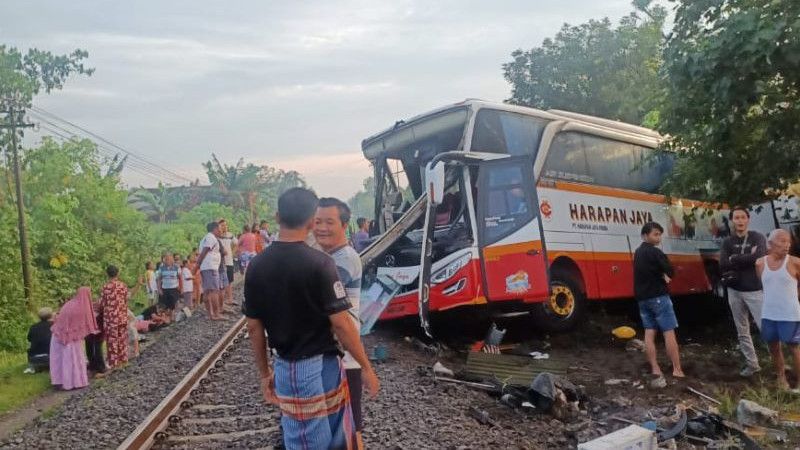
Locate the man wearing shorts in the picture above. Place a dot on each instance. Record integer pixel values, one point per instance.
(169, 283)
(228, 242)
(293, 292)
(780, 316)
(652, 273)
(330, 231)
(209, 261)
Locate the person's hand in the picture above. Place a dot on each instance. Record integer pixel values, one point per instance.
(268, 388)
(371, 382)
(667, 279)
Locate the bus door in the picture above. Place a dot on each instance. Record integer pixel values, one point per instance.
(613, 263)
(509, 231)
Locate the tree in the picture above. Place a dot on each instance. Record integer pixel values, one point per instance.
(363, 202)
(21, 78)
(251, 187)
(159, 203)
(239, 183)
(732, 103)
(594, 68)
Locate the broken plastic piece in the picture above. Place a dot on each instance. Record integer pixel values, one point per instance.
(440, 370)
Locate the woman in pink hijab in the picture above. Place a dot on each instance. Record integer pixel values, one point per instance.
(74, 322)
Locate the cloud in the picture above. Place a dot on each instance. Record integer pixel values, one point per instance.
(297, 85)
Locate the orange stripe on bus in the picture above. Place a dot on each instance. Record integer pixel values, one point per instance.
(495, 252)
(631, 195)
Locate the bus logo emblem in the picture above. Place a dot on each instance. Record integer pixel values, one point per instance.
(546, 209)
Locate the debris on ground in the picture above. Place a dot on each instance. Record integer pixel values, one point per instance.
(616, 381)
(770, 434)
(702, 395)
(539, 355)
(635, 345)
(632, 436)
(481, 416)
(441, 371)
(624, 333)
(752, 414)
(556, 395)
(511, 369)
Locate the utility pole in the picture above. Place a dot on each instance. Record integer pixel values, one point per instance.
(14, 120)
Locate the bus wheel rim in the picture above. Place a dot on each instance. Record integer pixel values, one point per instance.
(562, 301)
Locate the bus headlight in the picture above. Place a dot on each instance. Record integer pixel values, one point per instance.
(448, 271)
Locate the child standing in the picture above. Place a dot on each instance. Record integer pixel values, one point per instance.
(652, 272)
(150, 283)
(188, 284)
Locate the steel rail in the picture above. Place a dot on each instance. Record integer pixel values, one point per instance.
(146, 433)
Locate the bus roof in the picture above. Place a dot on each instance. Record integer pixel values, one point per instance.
(621, 129)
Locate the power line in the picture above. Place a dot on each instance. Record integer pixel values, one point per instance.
(142, 164)
(133, 164)
(159, 166)
(128, 164)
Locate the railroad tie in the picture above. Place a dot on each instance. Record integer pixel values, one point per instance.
(221, 436)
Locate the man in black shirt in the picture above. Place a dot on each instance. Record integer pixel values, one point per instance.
(652, 272)
(39, 336)
(737, 262)
(293, 292)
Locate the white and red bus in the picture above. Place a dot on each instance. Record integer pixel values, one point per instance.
(531, 210)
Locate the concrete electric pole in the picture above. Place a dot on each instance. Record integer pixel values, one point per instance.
(14, 121)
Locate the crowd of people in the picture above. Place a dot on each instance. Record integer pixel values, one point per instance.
(302, 304)
(92, 337)
(761, 276)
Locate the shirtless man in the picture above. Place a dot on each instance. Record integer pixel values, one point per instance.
(780, 317)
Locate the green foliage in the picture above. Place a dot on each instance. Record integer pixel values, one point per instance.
(362, 204)
(79, 222)
(17, 388)
(732, 104)
(158, 203)
(251, 187)
(28, 74)
(594, 68)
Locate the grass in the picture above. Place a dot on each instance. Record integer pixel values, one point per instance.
(771, 398)
(17, 388)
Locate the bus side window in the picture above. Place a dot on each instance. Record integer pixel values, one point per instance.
(596, 160)
(506, 202)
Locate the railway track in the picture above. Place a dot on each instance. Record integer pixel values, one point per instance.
(218, 404)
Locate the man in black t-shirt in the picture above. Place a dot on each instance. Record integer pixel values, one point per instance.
(39, 337)
(293, 293)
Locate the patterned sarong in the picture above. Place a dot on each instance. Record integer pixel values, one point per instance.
(315, 403)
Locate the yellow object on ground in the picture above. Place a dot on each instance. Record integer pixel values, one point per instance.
(624, 333)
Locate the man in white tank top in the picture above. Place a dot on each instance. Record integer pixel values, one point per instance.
(780, 316)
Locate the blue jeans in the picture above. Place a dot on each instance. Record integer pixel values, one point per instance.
(657, 313)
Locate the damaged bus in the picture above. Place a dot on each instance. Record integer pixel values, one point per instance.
(523, 210)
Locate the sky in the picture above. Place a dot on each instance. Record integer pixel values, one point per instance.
(294, 85)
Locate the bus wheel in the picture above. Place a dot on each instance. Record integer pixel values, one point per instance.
(563, 309)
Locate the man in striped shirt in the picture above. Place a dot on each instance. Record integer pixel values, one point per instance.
(330, 226)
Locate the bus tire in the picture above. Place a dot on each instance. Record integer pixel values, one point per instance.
(565, 307)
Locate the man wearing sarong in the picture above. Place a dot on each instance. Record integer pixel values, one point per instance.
(114, 307)
(293, 292)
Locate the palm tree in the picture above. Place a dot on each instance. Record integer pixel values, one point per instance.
(239, 183)
(159, 204)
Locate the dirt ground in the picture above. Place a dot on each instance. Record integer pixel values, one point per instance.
(708, 349)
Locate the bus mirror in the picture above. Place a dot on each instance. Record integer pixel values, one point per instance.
(434, 181)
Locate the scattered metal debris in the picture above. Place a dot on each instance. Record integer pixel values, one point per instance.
(707, 397)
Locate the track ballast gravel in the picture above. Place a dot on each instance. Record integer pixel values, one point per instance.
(103, 414)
